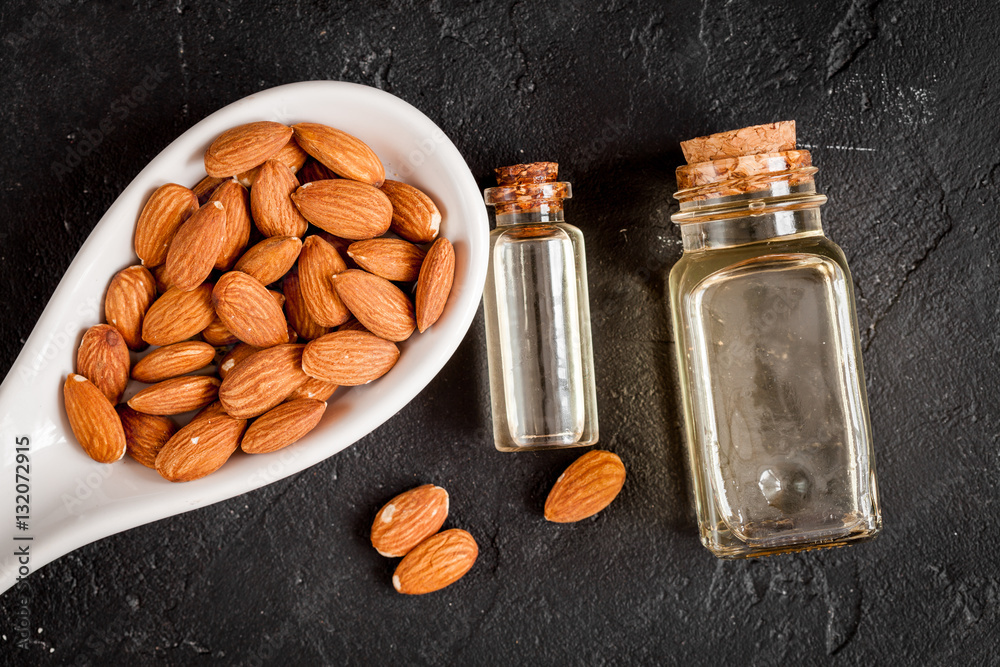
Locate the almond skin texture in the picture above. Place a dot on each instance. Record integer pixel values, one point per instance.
(270, 202)
(236, 200)
(291, 155)
(201, 447)
(298, 315)
(173, 360)
(248, 311)
(176, 395)
(130, 294)
(349, 358)
(178, 315)
(392, 259)
(145, 435)
(587, 486)
(281, 426)
(270, 259)
(103, 359)
(313, 171)
(438, 561)
(196, 246)
(217, 335)
(409, 519)
(378, 304)
(320, 390)
(434, 285)
(206, 186)
(93, 419)
(344, 154)
(167, 209)
(245, 147)
(349, 209)
(262, 380)
(235, 356)
(317, 262)
(415, 217)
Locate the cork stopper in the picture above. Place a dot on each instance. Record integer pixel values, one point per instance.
(737, 162)
(526, 188)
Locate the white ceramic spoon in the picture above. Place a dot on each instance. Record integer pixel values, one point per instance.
(70, 500)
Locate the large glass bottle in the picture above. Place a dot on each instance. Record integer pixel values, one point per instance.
(538, 316)
(767, 344)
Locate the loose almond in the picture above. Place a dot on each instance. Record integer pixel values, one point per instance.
(201, 447)
(283, 425)
(438, 561)
(167, 209)
(291, 155)
(245, 147)
(434, 285)
(587, 486)
(349, 209)
(320, 390)
(317, 262)
(176, 395)
(248, 311)
(103, 359)
(342, 153)
(178, 315)
(130, 294)
(196, 246)
(262, 380)
(409, 519)
(236, 200)
(270, 202)
(172, 361)
(93, 420)
(378, 304)
(392, 259)
(296, 312)
(145, 435)
(415, 217)
(270, 259)
(349, 358)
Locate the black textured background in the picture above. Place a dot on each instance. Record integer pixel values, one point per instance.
(897, 100)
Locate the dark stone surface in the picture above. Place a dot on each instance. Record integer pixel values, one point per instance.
(898, 102)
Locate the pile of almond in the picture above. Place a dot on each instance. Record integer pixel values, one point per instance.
(278, 260)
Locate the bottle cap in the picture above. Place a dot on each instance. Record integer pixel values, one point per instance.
(528, 187)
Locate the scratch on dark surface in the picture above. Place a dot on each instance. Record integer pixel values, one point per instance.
(852, 33)
(842, 595)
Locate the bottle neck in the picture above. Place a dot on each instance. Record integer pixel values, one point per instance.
(541, 214)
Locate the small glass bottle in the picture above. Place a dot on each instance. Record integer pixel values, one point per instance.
(767, 343)
(538, 316)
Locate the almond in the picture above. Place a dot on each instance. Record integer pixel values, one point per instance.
(352, 325)
(262, 380)
(321, 390)
(248, 311)
(415, 217)
(236, 200)
(173, 360)
(270, 202)
(409, 519)
(349, 358)
(217, 335)
(196, 246)
(438, 561)
(349, 209)
(201, 447)
(291, 155)
(165, 211)
(176, 395)
(281, 426)
(93, 420)
(392, 259)
(271, 258)
(145, 435)
(103, 359)
(245, 147)
(587, 486)
(313, 171)
(159, 276)
(206, 186)
(434, 285)
(342, 153)
(296, 312)
(378, 304)
(130, 294)
(178, 315)
(317, 262)
(235, 356)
